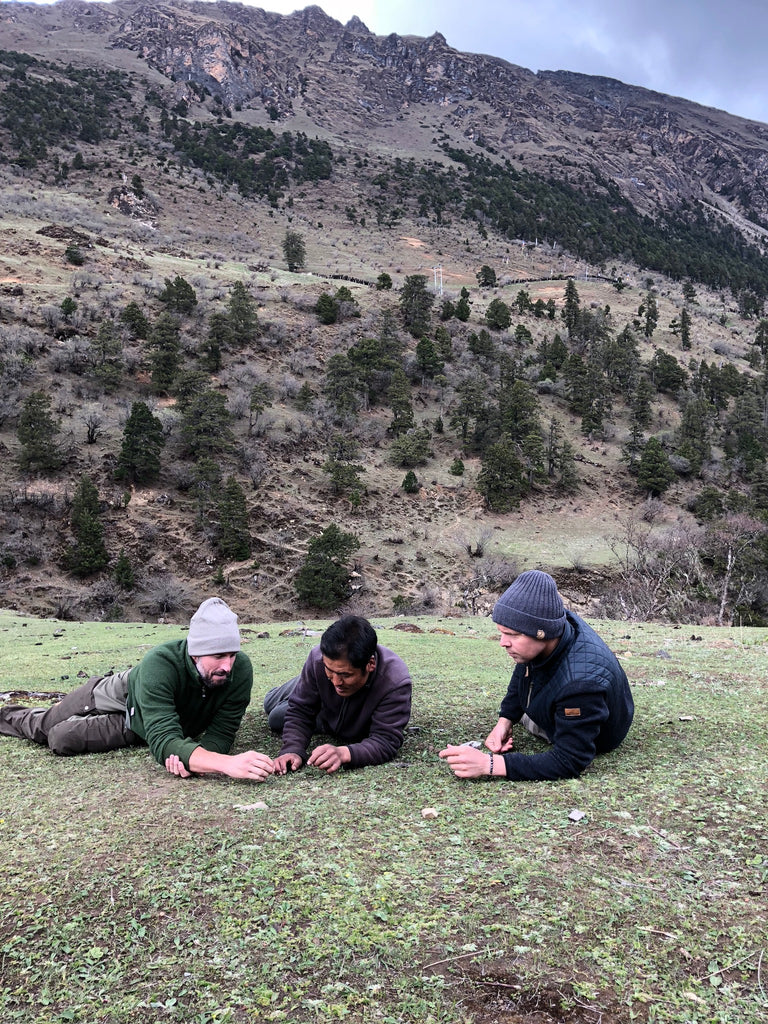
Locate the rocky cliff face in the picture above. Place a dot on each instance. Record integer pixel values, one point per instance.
(661, 150)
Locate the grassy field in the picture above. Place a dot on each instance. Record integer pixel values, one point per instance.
(129, 895)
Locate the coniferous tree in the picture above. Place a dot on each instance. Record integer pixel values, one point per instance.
(123, 572)
(342, 384)
(685, 328)
(571, 307)
(428, 360)
(105, 356)
(410, 483)
(206, 430)
(242, 317)
(38, 433)
(188, 385)
(164, 348)
(88, 553)
(324, 577)
(178, 295)
(518, 409)
(654, 472)
(463, 306)
(695, 433)
(568, 480)
(399, 396)
(411, 448)
(134, 319)
(327, 309)
(294, 251)
(640, 402)
(486, 276)
(416, 305)
(649, 311)
(219, 337)
(143, 440)
(497, 315)
(234, 538)
(502, 478)
(341, 467)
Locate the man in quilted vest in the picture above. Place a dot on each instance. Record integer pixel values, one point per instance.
(567, 688)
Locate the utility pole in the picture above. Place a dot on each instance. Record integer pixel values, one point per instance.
(438, 275)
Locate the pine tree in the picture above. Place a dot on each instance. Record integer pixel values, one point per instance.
(568, 479)
(427, 358)
(164, 348)
(341, 467)
(502, 479)
(497, 315)
(416, 305)
(410, 483)
(463, 306)
(206, 430)
(178, 295)
(123, 572)
(486, 276)
(649, 310)
(243, 320)
(571, 308)
(105, 356)
(294, 251)
(134, 319)
(88, 554)
(399, 396)
(654, 472)
(323, 579)
(38, 433)
(234, 538)
(341, 384)
(143, 440)
(685, 328)
(219, 337)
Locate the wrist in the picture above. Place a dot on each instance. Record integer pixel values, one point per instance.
(490, 765)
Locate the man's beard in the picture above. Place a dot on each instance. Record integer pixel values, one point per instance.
(215, 679)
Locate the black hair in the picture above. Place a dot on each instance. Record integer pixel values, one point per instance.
(351, 637)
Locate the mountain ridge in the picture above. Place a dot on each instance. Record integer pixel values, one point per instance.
(210, 131)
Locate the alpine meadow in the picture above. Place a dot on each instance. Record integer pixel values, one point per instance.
(322, 322)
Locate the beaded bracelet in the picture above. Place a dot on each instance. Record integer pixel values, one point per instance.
(491, 771)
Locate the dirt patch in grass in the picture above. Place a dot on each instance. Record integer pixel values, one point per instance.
(499, 994)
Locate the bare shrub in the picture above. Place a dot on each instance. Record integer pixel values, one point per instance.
(660, 572)
(253, 463)
(165, 595)
(498, 572)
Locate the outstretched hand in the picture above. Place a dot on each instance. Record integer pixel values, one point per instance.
(249, 765)
(466, 762)
(288, 762)
(329, 758)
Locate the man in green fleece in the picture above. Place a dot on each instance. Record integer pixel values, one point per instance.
(184, 700)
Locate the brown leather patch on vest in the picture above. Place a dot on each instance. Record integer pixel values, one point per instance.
(572, 712)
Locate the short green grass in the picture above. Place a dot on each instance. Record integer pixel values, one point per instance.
(129, 895)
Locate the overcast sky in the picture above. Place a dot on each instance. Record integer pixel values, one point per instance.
(710, 51)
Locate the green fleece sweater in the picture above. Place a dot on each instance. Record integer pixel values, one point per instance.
(170, 708)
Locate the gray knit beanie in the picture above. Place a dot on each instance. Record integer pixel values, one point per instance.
(213, 629)
(532, 606)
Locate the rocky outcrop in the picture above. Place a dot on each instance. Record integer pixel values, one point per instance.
(660, 150)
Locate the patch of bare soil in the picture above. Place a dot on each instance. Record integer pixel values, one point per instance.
(496, 994)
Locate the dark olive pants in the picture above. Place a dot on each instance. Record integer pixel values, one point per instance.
(86, 721)
(276, 703)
